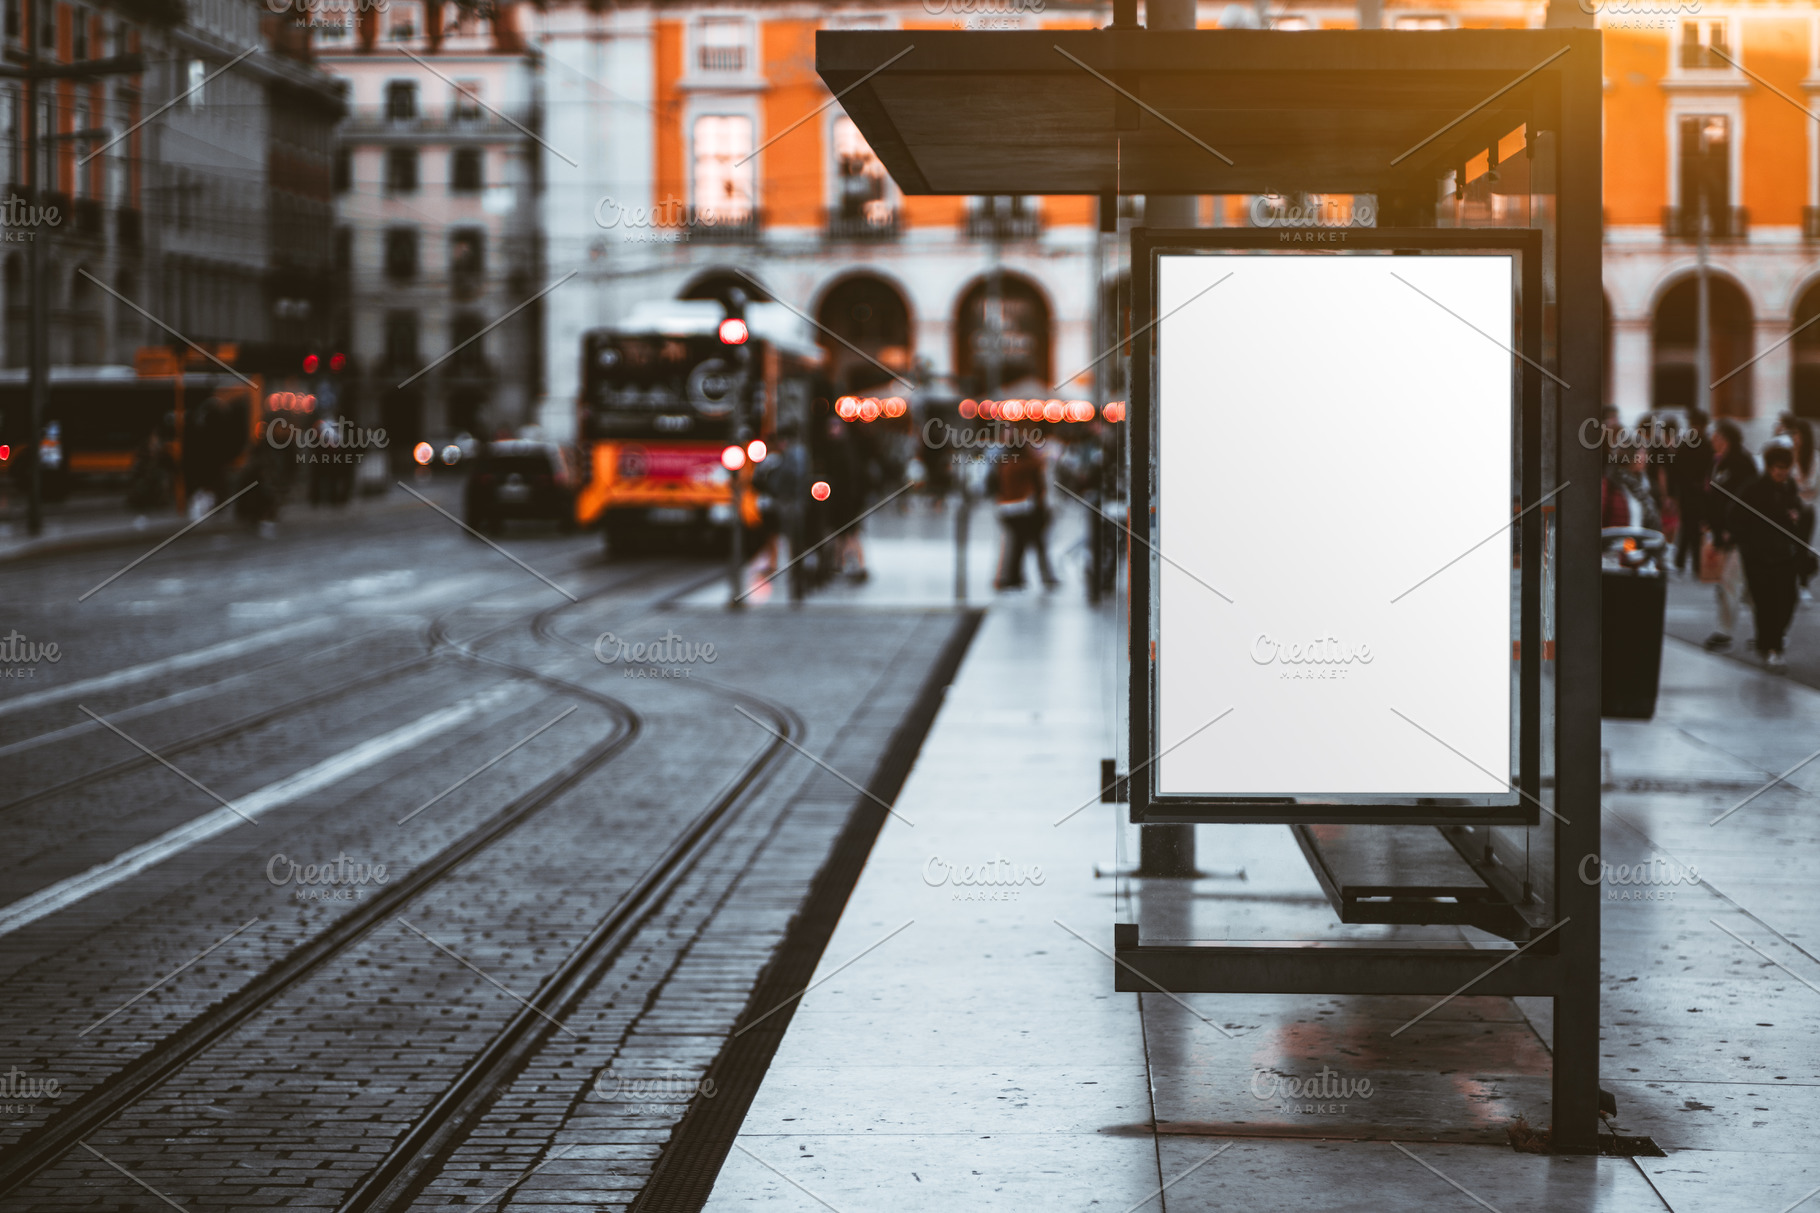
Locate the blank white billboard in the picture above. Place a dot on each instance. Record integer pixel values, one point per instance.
(1335, 457)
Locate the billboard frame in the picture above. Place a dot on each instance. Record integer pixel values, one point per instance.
(1148, 806)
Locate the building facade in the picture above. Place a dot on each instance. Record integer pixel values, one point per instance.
(191, 199)
(437, 180)
(709, 157)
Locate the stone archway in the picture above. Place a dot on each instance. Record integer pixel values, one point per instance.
(1674, 349)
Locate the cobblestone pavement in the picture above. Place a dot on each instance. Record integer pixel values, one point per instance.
(246, 749)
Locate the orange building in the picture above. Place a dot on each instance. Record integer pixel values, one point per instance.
(712, 156)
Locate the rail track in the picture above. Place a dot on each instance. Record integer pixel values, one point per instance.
(412, 1160)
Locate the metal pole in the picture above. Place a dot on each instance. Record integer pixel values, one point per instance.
(37, 335)
(735, 545)
(1703, 333)
(1096, 269)
(960, 542)
(1166, 850)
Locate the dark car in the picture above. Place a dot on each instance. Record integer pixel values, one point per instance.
(520, 479)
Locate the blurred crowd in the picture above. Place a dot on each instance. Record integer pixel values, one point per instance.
(1740, 521)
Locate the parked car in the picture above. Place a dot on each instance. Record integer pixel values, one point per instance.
(520, 479)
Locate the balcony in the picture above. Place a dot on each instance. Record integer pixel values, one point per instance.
(376, 125)
(1002, 219)
(736, 229)
(881, 224)
(1730, 223)
(723, 60)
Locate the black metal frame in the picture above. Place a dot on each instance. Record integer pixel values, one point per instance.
(1148, 806)
(1529, 79)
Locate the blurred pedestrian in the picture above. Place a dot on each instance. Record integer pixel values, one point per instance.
(1023, 510)
(1806, 472)
(1627, 494)
(1733, 471)
(1692, 464)
(1766, 523)
(843, 467)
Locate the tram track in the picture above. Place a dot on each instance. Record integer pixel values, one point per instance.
(417, 1156)
(436, 638)
(482, 1078)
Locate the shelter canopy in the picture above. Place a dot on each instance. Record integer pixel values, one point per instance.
(1333, 111)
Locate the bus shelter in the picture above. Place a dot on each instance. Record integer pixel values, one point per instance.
(1364, 559)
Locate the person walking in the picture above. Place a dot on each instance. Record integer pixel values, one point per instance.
(1765, 525)
(1806, 471)
(1733, 472)
(1023, 510)
(1690, 465)
(1627, 495)
(844, 469)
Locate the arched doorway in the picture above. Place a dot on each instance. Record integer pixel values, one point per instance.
(1674, 350)
(1002, 334)
(870, 317)
(719, 284)
(1804, 358)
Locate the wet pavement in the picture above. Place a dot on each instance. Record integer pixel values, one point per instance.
(965, 1044)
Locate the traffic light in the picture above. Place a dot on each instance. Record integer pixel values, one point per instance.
(733, 329)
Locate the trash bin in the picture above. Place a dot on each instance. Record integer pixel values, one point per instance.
(1633, 585)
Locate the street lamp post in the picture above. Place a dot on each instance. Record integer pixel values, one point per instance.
(38, 332)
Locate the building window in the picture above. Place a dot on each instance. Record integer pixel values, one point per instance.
(466, 102)
(401, 170)
(9, 135)
(723, 185)
(401, 100)
(404, 23)
(859, 179)
(467, 252)
(344, 170)
(470, 355)
(1705, 173)
(344, 249)
(1702, 44)
(12, 19)
(720, 45)
(401, 340)
(401, 253)
(196, 74)
(78, 36)
(465, 174)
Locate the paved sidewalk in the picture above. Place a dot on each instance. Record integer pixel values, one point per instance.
(981, 1056)
(93, 526)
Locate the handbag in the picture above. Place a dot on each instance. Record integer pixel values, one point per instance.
(1712, 562)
